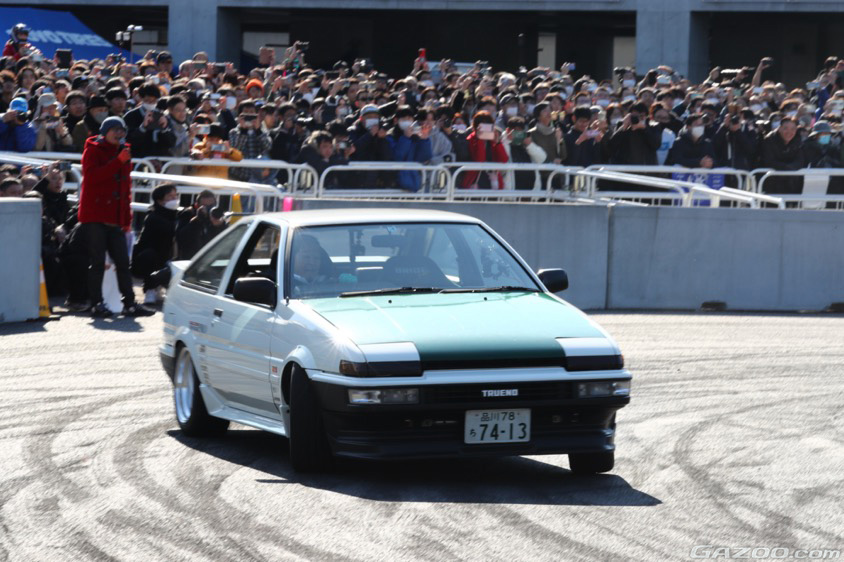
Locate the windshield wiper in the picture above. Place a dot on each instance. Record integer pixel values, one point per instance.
(392, 291)
(499, 289)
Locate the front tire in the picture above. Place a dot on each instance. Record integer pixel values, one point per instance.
(194, 419)
(591, 463)
(309, 449)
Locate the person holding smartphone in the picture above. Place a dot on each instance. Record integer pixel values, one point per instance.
(409, 142)
(149, 130)
(583, 141)
(213, 147)
(51, 132)
(485, 146)
(251, 141)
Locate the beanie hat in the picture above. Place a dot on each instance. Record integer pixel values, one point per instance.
(255, 83)
(111, 123)
(821, 127)
(97, 101)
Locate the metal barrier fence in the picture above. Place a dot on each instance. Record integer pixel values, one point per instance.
(553, 183)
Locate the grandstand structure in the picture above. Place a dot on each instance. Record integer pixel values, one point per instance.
(688, 35)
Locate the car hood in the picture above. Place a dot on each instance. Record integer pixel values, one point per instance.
(460, 326)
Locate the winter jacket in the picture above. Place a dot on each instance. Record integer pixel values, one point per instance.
(106, 185)
(17, 138)
(409, 149)
(221, 172)
(584, 154)
(158, 234)
(688, 152)
(637, 147)
(531, 153)
(735, 149)
(147, 142)
(548, 142)
(55, 205)
(484, 151)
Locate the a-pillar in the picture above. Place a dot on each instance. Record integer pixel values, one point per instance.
(669, 33)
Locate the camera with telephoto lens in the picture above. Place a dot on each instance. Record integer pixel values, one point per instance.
(634, 120)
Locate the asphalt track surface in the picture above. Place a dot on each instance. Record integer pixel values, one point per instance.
(734, 438)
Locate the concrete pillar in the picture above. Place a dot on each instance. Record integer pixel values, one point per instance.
(669, 33)
(200, 25)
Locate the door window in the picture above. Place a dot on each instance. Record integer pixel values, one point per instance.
(207, 271)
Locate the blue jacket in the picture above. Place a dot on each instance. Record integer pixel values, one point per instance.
(409, 149)
(17, 138)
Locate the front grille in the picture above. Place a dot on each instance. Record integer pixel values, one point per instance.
(456, 393)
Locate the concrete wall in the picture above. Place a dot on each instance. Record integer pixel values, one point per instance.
(20, 255)
(573, 238)
(749, 259)
(670, 258)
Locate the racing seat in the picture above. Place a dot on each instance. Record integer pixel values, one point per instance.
(414, 271)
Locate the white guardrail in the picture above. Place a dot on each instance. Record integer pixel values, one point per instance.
(599, 184)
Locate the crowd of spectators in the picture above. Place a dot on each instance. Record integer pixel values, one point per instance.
(285, 110)
(288, 111)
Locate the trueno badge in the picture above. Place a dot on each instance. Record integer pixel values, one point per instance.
(500, 393)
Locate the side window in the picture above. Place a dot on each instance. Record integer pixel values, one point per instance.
(259, 257)
(207, 271)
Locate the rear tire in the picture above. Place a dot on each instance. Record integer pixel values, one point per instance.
(591, 463)
(309, 449)
(194, 419)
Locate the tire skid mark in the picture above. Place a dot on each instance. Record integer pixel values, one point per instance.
(683, 456)
(200, 506)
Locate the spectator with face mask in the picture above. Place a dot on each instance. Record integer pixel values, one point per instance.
(821, 151)
(369, 139)
(781, 149)
(16, 133)
(149, 130)
(184, 132)
(89, 125)
(319, 152)
(409, 142)
(521, 150)
(692, 149)
(154, 247)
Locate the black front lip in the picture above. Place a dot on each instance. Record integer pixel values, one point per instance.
(434, 428)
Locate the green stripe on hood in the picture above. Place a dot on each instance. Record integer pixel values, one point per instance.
(460, 326)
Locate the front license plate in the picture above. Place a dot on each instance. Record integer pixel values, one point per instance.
(497, 426)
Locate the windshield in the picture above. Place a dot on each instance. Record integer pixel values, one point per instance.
(357, 260)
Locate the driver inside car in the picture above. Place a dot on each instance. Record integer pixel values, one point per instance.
(311, 264)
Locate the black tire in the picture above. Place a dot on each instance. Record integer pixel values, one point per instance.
(591, 463)
(309, 449)
(191, 414)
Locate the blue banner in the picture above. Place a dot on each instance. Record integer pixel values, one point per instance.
(53, 30)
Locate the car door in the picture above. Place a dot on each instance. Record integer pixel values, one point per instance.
(200, 283)
(242, 331)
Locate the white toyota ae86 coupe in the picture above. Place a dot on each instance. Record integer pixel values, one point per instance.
(388, 334)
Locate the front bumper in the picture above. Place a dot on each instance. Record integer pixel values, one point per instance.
(434, 428)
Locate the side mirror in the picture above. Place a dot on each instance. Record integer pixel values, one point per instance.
(555, 280)
(255, 290)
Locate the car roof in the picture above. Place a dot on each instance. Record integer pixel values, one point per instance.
(363, 216)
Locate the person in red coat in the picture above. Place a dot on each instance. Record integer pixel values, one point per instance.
(105, 214)
(485, 146)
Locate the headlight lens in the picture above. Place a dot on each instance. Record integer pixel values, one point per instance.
(603, 388)
(384, 396)
(381, 369)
